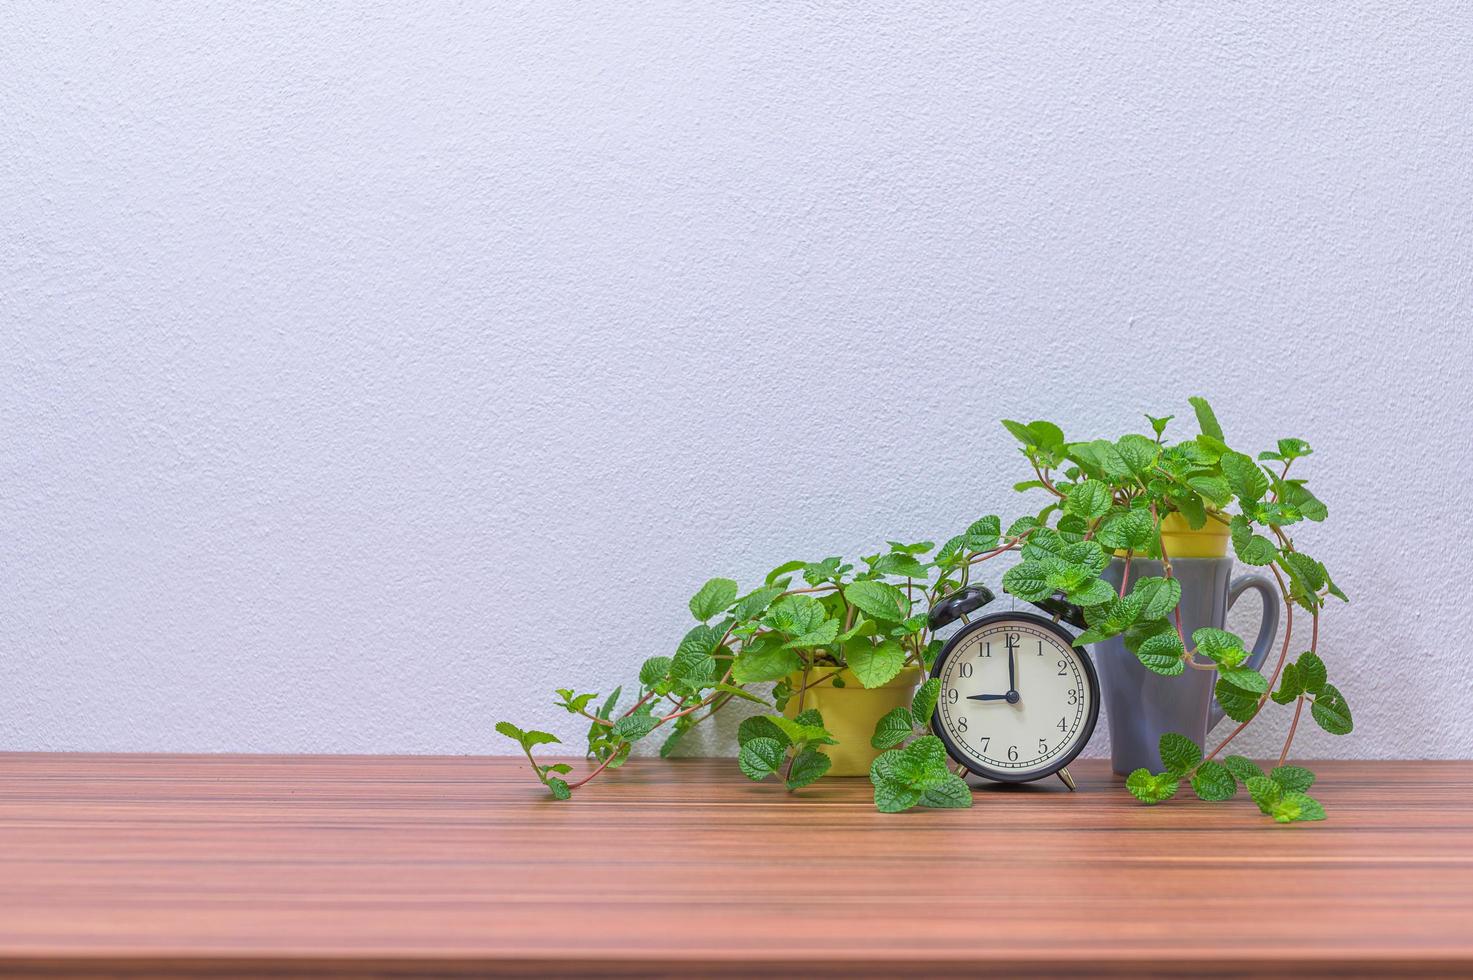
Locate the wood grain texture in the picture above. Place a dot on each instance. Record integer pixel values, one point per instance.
(242, 866)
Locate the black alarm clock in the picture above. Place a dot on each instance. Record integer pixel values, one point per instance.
(1018, 700)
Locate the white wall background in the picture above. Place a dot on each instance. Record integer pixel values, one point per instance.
(366, 371)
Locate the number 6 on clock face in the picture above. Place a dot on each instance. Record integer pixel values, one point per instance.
(1018, 700)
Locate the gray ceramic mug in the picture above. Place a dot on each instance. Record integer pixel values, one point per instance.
(1144, 705)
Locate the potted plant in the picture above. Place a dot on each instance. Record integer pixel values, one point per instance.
(815, 630)
(1153, 504)
(834, 653)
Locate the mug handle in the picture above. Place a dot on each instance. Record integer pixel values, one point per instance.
(1265, 587)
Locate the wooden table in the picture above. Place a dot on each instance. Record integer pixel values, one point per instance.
(248, 865)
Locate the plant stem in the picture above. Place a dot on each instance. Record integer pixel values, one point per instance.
(1298, 707)
(1283, 655)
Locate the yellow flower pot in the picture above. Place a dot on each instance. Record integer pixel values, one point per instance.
(1209, 541)
(851, 712)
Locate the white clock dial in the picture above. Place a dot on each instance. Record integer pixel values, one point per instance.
(1015, 698)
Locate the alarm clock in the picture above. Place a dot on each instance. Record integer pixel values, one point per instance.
(1018, 700)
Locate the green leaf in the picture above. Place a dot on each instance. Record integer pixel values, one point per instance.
(796, 615)
(1245, 678)
(755, 603)
(902, 776)
(527, 739)
(878, 600)
(1206, 419)
(765, 664)
(892, 796)
(1290, 685)
(1297, 808)
(760, 758)
(760, 726)
(951, 552)
(1293, 449)
(921, 764)
(1138, 452)
(713, 598)
(953, 794)
(1160, 596)
(983, 534)
(635, 727)
(1021, 526)
(861, 627)
(924, 703)
(812, 717)
(742, 693)
(808, 765)
(1042, 542)
(1119, 616)
(1158, 426)
(1027, 581)
(1237, 704)
(822, 636)
(1179, 754)
(1092, 593)
(1086, 554)
(1213, 488)
(1244, 476)
(1331, 711)
(1311, 672)
(1243, 768)
(896, 726)
(1265, 792)
(1089, 499)
(802, 731)
(1162, 652)
(1020, 432)
(876, 664)
(1213, 781)
(559, 788)
(1293, 493)
(1151, 789)
(1127, 530)
(693, 664)
(1251, 549)
(829, 569)
(1191, 508)
(786, 568)
(654, 670)
(1292, 778)
(1219, 646)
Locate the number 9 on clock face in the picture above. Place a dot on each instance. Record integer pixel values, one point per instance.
(1018, 700)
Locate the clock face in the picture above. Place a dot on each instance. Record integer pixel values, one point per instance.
(1018, 701)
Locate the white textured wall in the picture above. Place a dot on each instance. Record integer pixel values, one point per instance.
(366, 371)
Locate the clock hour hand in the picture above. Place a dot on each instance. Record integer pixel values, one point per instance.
(987, 697)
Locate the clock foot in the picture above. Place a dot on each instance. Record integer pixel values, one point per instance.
(1068, 779)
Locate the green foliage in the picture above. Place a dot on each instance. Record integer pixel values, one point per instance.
(1331, 711)
(713, 598)
(807, 621)
(905, 777)
(1179, 754)
(1213, 782)
(1152, 789)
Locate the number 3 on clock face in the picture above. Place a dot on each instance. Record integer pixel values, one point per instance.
(1018, 700)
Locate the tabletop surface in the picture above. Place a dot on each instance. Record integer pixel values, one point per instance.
(245, 865)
